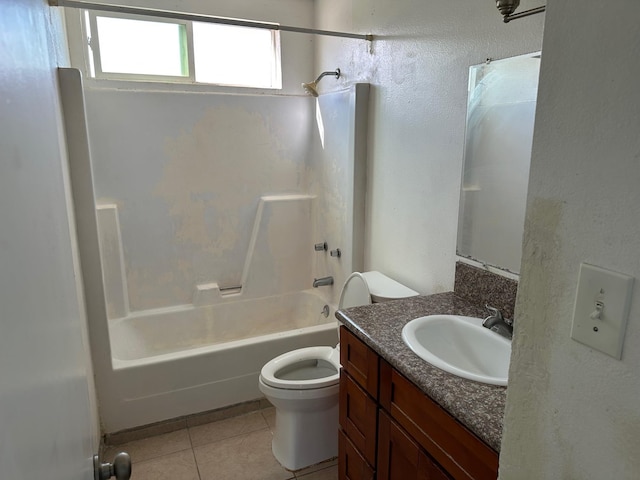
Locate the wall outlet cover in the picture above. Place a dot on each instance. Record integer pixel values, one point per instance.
(601, 309)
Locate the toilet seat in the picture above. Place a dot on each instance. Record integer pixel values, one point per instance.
(303, 369)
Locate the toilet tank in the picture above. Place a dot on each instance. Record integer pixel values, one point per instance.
(383, 288)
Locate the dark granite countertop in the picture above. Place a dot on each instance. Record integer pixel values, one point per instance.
(478, 406)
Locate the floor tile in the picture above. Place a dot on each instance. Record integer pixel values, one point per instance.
(330, 473)
(152, 447)
(269, 415)
(244, 457)
(223, 429)
(176, 466)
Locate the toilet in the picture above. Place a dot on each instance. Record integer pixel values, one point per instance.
(303, 384)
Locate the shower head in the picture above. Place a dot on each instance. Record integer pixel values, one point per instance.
(507, 7)
(312, 87)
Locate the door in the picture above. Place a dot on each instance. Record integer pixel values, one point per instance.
(48, 421)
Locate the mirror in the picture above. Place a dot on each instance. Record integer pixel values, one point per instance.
(500, 114)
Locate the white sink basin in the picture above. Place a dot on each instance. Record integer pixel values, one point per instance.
(460, 345)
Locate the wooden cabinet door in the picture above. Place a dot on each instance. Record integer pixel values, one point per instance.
(459, 451)
(358, 417)
(400, 458)
(351, 464)
(360, 361)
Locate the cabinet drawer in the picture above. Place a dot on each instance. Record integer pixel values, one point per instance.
(400, 457)
(358, 417)
(463, 455)
(351, 465)
(359, 361)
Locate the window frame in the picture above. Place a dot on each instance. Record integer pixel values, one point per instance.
(91, 48)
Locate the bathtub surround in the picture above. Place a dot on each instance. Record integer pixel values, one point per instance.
(209, 196)
(238, 197)
(185, 228)
(189, 191)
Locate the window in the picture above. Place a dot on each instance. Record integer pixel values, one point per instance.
(127, 47)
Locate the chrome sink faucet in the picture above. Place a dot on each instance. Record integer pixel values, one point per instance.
(496, 323)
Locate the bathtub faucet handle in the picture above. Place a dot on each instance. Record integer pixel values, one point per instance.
(321, 247)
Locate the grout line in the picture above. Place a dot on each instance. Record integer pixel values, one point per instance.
(265, 427)
(195, 460)
(153, 459)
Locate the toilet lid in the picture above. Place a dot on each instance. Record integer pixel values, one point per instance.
(303, 369)
(355, 292)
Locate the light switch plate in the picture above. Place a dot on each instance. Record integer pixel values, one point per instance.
(601, 309)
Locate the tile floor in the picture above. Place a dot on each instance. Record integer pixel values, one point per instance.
(237, 448)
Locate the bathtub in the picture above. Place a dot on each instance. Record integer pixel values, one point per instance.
(173, 362)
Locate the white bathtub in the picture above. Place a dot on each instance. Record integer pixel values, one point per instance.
(174, 362)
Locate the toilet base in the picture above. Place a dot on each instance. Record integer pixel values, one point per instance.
(302, 439)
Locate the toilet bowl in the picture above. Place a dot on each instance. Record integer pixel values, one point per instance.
(303, 384)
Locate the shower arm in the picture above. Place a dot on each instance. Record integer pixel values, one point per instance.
(335, 73)
(507, 7)
(526, 13)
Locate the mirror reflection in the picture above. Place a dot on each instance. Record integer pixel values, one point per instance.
(500, 115)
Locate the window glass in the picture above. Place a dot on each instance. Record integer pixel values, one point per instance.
(142, 47)
(232, 55)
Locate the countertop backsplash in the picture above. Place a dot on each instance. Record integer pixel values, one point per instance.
(481, 287)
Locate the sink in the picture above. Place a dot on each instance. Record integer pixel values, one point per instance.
(460, 345)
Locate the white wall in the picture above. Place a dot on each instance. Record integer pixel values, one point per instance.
(48, 423)
(418, 68)
(572, 412)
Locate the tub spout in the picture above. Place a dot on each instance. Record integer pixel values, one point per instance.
(320, 282)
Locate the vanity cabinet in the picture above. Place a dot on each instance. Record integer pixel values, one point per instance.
(391, 430)
(401, 457)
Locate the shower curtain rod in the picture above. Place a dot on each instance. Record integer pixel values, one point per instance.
(103, 7)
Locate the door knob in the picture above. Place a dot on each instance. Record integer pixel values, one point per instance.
(120, 468)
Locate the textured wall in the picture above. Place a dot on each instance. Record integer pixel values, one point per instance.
(418, 68)
(572, 412)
